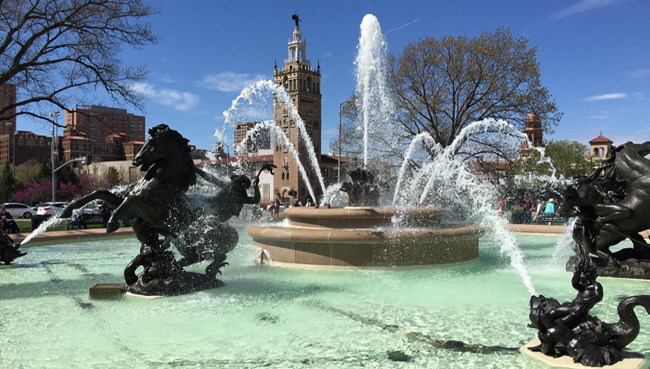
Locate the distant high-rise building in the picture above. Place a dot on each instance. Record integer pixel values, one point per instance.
(7, 98)
(302, 83)
(105, 133)
(98, 122)
(7, 121)
(259, 141)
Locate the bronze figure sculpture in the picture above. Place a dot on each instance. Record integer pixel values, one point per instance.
(569, 329)
(613, 207)
(156, 207)
(8, 249)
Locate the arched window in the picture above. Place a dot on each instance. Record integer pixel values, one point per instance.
(601, 152)
(283, 175)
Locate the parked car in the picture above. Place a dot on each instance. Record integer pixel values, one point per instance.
(92, 210)
(50, 208)
(18, 210)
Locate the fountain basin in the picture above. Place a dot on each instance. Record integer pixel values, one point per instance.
(344, 238)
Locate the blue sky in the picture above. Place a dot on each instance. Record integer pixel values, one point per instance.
(594, 55)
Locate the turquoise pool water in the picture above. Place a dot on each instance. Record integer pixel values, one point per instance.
(281, 318)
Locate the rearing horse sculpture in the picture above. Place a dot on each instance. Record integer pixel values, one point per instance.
(607, 215)
(152, 201)
(156, 206)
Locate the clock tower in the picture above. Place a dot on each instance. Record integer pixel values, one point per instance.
(302, 83)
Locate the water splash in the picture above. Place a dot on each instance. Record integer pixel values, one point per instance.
(272, 126)
(421, 137)
(374, 102)
(254, 93)
(52, 222)
(455, 183)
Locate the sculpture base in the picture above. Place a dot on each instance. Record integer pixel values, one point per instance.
(631, 359)
(106, 291)
(630, 268)
(178, 283)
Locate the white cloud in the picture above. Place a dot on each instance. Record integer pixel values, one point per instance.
(178, 99)
(327, 55)
(582, 6)
(403, 25)
(598, 117)
(167, 79)
(228, 81)
(639, 73)
(606, 97)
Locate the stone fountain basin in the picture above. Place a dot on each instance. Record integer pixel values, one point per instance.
(350, 237)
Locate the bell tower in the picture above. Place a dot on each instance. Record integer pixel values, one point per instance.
(302, 83)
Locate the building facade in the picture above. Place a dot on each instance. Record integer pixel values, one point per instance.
(302, 84)
(103, 133)
(98, 122)
(599, 147)
(533, 130)
(29, 146)
(261, 140)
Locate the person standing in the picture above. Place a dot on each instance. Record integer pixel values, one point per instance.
(549, 210)
(78, 218)
(106, 213)
(528, 207)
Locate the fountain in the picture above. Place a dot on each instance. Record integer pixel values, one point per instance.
(408, 233)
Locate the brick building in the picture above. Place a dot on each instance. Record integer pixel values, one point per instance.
(261, 141)
(97, 122)
(302, 83)
(108, 134)
(29, 145)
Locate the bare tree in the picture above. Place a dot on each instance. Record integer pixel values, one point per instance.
(441, 86)
(57, 51)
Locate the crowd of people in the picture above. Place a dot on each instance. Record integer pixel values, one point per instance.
(534, 210)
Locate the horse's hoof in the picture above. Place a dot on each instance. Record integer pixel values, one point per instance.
(112, 227)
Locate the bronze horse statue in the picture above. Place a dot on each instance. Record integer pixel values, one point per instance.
(157, 206)
(615, 206)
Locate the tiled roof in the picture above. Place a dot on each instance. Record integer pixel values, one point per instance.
(601, 140)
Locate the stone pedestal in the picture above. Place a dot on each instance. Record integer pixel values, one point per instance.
(631, 359)
(107, 291)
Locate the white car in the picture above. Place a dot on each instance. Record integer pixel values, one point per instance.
(50, 208)
(18, 210)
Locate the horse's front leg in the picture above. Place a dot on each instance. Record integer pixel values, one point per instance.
(112, 199)
(133, 207)
(609, 212)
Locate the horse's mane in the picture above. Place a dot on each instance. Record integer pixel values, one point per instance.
(171, 135)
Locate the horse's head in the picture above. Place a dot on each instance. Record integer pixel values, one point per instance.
(162, 142)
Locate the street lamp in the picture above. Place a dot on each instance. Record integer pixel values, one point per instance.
(13, 148)
(54, 115)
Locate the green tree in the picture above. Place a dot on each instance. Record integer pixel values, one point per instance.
(568, 158)
(57, 52)
(45, 172)
(28, 171)
(113, 176)
(8, 183)
(67, 174)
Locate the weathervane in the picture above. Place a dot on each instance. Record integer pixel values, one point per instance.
(296, 19)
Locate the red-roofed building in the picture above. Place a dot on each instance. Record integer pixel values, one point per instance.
(600, 146)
